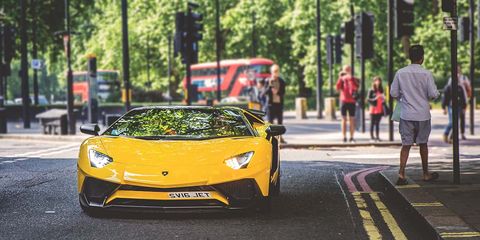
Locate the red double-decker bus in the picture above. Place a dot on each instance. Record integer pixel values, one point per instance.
(237, 77)
(108, 86)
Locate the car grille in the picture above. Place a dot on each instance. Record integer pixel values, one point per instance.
(119, 202)
(244, 189)
(152, 189)
(96, 191)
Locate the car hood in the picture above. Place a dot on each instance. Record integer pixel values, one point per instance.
(178, 152)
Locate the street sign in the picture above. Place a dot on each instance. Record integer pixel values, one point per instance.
(450, 23)
(37, 64)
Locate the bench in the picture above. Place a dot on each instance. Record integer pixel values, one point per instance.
(52, 120)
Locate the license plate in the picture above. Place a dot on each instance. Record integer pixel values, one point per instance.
(179, 195)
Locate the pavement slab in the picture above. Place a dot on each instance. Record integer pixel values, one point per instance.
(452, 211)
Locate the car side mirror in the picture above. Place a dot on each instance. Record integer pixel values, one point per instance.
(275, 130)
(90, 129)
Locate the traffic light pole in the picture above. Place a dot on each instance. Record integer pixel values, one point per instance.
(125, 55)
(70, 113)
(362, 90)
(218, 41)
(34, 50)
(472, 67)
(352, 46)
(24, 65)
(319, 66)
(390, 66)
(455, 113)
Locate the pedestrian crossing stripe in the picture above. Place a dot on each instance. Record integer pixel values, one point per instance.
(428, 204)
(459, 234)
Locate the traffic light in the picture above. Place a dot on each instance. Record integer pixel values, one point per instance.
(330, 49)
(403, 18)
(448, 5)
(364, 35)
(180, 40)
(338, 49)
(7, 38)
(348, 31)
(194, 27)
(8, 43)
(188, 29)
(464, 26)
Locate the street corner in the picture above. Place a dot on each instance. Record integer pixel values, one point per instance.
(432, 208)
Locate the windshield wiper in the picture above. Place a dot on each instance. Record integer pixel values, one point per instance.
(150, 137)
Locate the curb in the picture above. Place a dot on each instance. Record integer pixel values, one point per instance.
(59, 138)
(442, 221)
(338, 145)
(80, 138)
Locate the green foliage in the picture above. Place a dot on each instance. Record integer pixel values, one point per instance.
(285, 32)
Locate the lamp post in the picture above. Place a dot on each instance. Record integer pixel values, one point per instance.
(125, 55)
(319, 66)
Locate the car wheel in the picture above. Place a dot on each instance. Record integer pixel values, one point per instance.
(275, 189)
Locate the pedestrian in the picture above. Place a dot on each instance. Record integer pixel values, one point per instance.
(413, 87)
(447, 105)
(275, 92)
(464, 83)
(262, 97)
(376, 99)
(347, 85)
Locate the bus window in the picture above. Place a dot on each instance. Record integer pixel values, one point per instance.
(261, 69)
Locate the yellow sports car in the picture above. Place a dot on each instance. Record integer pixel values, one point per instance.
(180, 158)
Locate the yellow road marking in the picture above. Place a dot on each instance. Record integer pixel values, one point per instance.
(388, 218)
(459, 234)
(367, 220)
(408, 186)
(428, 204)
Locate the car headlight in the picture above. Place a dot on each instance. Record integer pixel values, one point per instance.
(239, 161)
(98, 159)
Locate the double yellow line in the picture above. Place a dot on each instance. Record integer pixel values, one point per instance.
(367, 220)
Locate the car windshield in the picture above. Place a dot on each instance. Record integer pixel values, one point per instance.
(183, 123)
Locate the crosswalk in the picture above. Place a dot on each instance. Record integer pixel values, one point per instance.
(51, 151)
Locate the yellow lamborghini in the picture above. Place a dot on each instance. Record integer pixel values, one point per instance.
(180, 158)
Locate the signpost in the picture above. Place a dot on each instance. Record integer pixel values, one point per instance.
(450, 24)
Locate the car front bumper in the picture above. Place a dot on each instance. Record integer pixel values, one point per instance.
(239, 194)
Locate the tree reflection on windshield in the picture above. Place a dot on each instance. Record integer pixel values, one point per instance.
(180, 122)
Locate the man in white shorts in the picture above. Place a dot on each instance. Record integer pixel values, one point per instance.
(413, 87)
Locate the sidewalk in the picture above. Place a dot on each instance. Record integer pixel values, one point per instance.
(313, 131)
(302, 133)
(451, 210)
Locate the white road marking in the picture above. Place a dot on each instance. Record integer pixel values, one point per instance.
(41, 153)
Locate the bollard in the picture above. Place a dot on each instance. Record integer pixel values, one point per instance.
(63, 125)
(3, 120)
(330, 108)
(300, 108)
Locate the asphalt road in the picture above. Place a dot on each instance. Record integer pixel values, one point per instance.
(38, 199)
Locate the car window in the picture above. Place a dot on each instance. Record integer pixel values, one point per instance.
(181, 123)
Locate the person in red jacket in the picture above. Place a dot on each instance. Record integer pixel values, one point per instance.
(347, 85)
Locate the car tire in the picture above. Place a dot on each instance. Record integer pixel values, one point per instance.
(275, 189)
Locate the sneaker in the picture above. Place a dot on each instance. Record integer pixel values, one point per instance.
(352, 140)
(344, 140)
(445, 138)
(463, 137)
